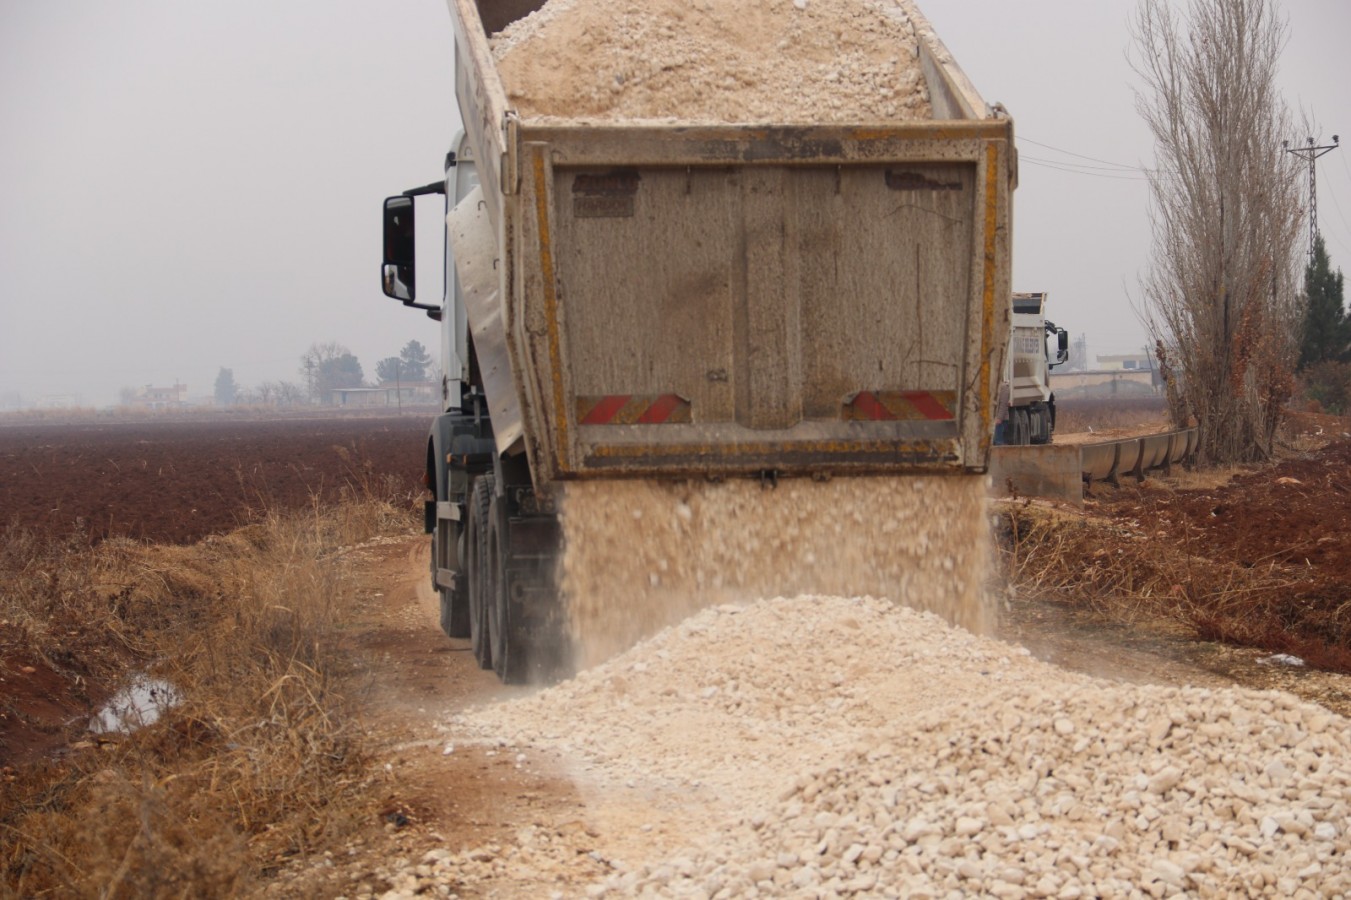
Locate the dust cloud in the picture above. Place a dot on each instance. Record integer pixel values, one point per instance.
(641, 555)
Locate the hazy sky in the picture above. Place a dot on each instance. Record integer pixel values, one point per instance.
(190, 184)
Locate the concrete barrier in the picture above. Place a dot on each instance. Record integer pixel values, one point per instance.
(1047, 470)
(1059, 471)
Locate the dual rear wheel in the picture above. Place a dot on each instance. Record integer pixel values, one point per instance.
(475, 569)
(454, 600)
(496, 633)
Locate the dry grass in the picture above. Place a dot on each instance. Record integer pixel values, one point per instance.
(1082, 414)
(257, 765)
(1127, 572)
(1200, 479)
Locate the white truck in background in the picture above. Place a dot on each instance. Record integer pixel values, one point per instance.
(1027, 403)
(652, 300)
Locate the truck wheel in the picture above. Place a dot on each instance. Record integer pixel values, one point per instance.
(504, 626)
(475, 553)
(1040, 425)
(454, 601)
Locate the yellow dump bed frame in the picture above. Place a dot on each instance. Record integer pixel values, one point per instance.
(666, 300)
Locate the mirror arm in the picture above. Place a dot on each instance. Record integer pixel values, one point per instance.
(436, 187)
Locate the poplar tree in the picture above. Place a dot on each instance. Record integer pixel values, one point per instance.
(1222, 292)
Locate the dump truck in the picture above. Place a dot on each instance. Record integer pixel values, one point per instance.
(657, 300)
(1027, 403)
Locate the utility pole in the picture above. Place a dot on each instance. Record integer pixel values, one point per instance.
(1311, 153)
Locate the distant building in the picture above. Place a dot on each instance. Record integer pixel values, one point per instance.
(415, 393)
(57, 401)
(151, 397)
(1127, 361)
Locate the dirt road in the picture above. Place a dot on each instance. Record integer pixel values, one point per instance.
(435, 794)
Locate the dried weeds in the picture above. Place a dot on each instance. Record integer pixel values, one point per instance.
(261, 762)
(1127, 562)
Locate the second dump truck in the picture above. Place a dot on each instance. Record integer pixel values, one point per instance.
(698, 301)
(1027, 403)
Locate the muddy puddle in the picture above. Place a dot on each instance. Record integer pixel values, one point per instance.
(1152, 651)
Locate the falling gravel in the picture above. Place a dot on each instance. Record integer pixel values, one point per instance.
(640, 555)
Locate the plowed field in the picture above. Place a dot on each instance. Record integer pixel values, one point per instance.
(174, 481)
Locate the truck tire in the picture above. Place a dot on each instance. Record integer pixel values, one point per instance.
(454, 601)
(509, 656)
(1040, 418)
(476, 552)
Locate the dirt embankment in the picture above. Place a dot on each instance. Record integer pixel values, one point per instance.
(1258, 557)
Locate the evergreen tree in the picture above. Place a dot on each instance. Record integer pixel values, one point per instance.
(414, 360)
(1327, 328)
(226, 390)
(390, 369)
(343, 371)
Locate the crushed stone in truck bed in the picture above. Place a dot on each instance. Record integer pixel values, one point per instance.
(641, 554)
(715, 61)
(827, 746)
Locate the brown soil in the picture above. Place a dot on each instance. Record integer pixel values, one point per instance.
(1283, 530)
(1296, 514)
(176, 481)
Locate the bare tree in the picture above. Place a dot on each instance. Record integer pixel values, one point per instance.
(1222, 294)
(328, 365)
(289, 393)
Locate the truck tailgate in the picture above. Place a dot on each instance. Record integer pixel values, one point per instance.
(730, 299)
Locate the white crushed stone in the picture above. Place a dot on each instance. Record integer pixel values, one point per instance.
(640, 555)
(823, 746)
(780, 61)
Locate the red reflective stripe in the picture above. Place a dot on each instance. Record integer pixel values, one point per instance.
(605, 410)
(867, 403)
(928, 405)
(660, 410)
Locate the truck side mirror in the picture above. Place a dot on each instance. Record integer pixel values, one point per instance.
(399, 270)
(1062, 338)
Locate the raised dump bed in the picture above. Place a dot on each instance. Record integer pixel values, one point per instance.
(713, 298)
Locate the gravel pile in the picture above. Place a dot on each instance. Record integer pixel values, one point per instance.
(832, 747)
(781, 61)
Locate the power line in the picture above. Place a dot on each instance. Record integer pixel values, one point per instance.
(1060, 162)
(1116, 165)
(1337, 204)
(1060, 168)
